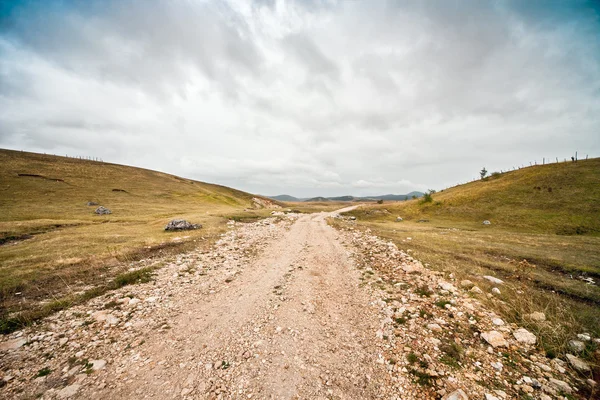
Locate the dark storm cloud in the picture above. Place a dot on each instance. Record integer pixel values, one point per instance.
(319, 97)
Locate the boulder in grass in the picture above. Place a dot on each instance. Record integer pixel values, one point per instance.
(181, 225)
(102, 211)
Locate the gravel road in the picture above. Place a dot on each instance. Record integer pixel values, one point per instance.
(285, 308)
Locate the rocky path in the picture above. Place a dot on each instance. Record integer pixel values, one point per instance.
(284, 308)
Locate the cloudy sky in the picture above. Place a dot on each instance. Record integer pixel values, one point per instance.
(303, 97)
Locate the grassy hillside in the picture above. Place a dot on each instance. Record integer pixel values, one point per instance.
(556, 198)
(53, 242)
(544, 241)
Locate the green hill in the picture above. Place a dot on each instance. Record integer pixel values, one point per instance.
(559, 198)
(543, 241)
(51, 241)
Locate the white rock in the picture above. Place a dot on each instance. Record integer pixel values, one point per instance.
(434, 327)
(497, 322)
(12, 344)
(496, 291)
(467, 284)
(584, 337)
(490, 397)
(475, 289)
(495, 338)
(447, 286)
(456, 395)
(493, 279)
(578, 363)
(409, 268)
(68, 391)
(560, 385)
(524, 336)
(576, 346)
(134, 301)
(497, 366)
(98, 364)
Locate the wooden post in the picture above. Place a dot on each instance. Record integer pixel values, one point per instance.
(544, 161)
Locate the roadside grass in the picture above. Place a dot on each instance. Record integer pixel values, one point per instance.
(53, 245)
(28, 316)
(551, 284)
(543, 241)
(558, 199)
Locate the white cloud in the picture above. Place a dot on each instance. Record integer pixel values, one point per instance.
(307, 98)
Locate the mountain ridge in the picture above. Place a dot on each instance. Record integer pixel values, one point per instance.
(388, 197)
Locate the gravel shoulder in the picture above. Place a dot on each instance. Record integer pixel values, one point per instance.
(284, 308)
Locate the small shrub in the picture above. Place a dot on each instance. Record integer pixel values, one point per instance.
(496, 175)
(483, 173)
(423, 291)
(43, 372)
(452, 354)
(412, 358)
(442, 303)
(140, 276)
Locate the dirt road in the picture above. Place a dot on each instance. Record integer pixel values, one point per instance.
(292, 323)
(285, 308)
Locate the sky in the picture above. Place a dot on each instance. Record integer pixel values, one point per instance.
(304, 97)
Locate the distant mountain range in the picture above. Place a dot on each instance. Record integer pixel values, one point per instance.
(388, 197)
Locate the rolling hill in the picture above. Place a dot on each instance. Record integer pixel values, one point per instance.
(387, 197)
(51, 241)
(554, 198)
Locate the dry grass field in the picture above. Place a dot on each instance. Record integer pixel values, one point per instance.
(54, 245)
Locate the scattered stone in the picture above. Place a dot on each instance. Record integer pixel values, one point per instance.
(486, 222)
(493, 279)
(68, 391)
(98, 364)
(494, 338)
(584, 337)
(92, 203)
(490, 397)
(524, 336)
(576, 346)
(458, 394)
(496, 291)
(578, 363)
(434, 327)
(497, 322)
(476, 289)
(12, 344)
(561, 385)
(446, 286)
(102, 211)
(467, 284)
(181, 225)
(409, 269)
(399, 219)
